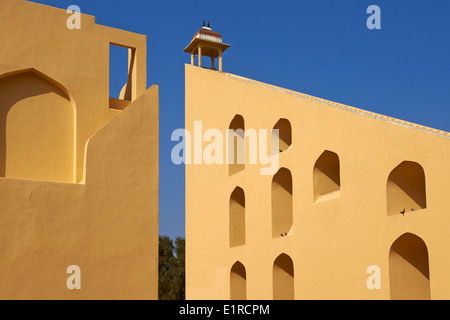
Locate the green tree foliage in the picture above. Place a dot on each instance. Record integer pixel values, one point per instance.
(171, 279)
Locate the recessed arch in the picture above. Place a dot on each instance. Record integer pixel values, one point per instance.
(236, 145)
(327, 176)
(282, 203)
(409, 273)
(37, 128)
(283, 278)
(237, 217)
(284, 135)
(238, 282)
(405, 189)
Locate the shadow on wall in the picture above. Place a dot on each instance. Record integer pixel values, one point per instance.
(237, 217)
(409, 272)
(282, 204)
(238, 282)
(284, 134)
(37, 128)
(237, 145)
(405, 189)
(283, 278)
(327, 177)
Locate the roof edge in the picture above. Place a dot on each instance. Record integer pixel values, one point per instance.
(362, 112)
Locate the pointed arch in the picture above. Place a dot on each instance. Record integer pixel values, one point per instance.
(409, 273)
(37, 128)
(238, 282)
(283, 278)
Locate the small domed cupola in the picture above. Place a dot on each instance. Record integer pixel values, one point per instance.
(207, 42)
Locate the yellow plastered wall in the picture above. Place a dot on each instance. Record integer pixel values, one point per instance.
(78, 60)
(79, 185)
(28, 101)
(334, 240)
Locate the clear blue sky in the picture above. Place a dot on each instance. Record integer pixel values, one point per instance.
(322, 48)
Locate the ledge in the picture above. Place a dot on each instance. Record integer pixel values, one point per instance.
(118, 104)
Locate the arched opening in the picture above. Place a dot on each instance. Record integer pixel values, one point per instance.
(327, 177)
(238, 282)
(37, 128)
(237, 218)
(283, 131)
(409, 272)
(405, 189)
(282, 204)
(236, 145)
(283, 278)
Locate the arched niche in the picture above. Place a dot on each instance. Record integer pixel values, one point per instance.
(282, 203)
(283, 131)
(236, 145)
(327, 177)
(409, 272)
(238, 282)
(283, 278)
(405, 189)
(237, 217)
(37, 128)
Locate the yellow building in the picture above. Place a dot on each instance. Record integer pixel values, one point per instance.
(78, 169)
(357, 208)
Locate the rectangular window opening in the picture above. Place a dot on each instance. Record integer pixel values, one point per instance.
(122, 81)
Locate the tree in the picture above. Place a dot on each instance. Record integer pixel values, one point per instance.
(171, 278)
